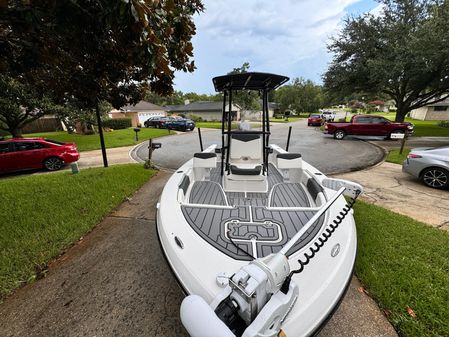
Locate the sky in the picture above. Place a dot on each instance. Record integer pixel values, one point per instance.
(286, 37)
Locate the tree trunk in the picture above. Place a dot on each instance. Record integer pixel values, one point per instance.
(402, 111)
(15, 132)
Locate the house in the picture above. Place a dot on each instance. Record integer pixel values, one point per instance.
(139, 113)
(208, 111)
(432, 112)
(47, 123)
(273, 109)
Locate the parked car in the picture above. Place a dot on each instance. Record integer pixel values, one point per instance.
(431, 165)
(35, 153)
(180, 124)
(367, 125)
(328, 115)
(315, 119)
(156, 122)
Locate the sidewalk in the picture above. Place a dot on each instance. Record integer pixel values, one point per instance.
(117, 155)
(387, 186)
(115, 282)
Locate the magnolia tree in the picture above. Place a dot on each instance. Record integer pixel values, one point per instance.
(401, 53)
(102, 50)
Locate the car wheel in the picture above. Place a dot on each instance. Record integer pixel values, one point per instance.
(435, 177)
(308, 124)
(53, 164)
(157, 126)
(339, 134)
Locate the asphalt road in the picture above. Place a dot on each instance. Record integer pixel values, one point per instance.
(322, 151)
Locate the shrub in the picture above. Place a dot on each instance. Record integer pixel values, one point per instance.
(3, 133)
(117, 123)
(444, 124)
(195, 118)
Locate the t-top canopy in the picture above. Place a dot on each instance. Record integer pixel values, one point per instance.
(249, 81)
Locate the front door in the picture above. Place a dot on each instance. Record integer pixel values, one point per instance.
(6, 162)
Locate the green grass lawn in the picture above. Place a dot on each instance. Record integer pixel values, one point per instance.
(214, 125)
(395, 157)
(282, 120)
(112, 139)
(404, 264)
(42, 215)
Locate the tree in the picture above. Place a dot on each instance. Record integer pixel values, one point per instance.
(20, 105)
(98, 50)
(247, 100)
(300, 95)
(401, 53)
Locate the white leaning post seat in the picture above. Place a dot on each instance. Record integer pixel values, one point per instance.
(246, 156)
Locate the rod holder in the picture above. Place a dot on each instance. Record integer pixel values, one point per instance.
(288, 138)
(201, 139)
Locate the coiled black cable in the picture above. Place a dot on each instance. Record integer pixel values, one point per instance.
(319, 243)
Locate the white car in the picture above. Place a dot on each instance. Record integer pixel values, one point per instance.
(328, 115)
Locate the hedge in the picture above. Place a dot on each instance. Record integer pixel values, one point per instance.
(117, 123)
(444, 124)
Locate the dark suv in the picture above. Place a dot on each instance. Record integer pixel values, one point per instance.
(180, 124)
(156, 122)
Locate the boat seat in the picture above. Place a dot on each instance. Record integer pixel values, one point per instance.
(245, 149)
(251, 171)
(289, 160)
(203, 162)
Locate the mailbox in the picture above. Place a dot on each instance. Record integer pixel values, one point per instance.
(136, 129)
(155, 146)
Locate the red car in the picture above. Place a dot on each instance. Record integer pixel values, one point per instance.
(367, 125)
(315, 119)
(35, 153)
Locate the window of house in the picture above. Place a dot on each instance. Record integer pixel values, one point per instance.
(440, 108)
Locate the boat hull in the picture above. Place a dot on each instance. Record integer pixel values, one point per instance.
(196, 263)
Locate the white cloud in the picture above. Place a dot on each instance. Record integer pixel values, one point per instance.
(273, 36)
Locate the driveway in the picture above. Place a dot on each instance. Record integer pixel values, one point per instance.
(323, 152)
(115, 282)
(387, 186)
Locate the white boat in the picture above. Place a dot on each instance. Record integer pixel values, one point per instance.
(262, 242)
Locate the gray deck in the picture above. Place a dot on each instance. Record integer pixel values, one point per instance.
(263, 233)
(207, 192)
(251, 226)
(289, 195)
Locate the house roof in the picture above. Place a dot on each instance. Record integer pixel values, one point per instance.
(142, 106)
(199, 107)
(442, 103)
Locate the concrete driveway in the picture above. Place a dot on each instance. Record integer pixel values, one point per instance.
(325, 153)
(115, 282)
(387, 186)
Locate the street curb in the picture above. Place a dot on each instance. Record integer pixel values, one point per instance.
(132, 153)
(378, 163)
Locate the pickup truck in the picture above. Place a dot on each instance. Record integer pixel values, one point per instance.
(367, 125)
